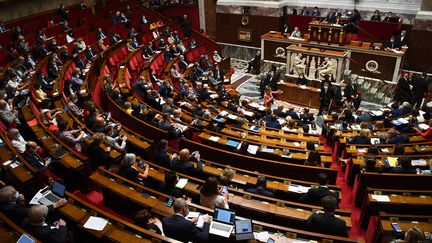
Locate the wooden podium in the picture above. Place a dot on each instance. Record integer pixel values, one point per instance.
(327, 33)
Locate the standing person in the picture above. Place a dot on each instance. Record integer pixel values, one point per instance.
(186, 26)
(351, 94)
(326, 95)
(420, 88)
(268, 96)
(403, 89)
(255, 63)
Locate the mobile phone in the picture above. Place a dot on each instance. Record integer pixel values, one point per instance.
(224, 190)
(199, 187)
(270, 240)
(142, 164)
(170, 202)
(396, 227)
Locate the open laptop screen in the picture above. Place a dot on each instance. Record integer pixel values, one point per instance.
(25, 239)
(243, 226)
(224, 215)
(58, 189)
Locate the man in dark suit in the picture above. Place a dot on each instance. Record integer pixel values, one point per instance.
(261, 188)
(393, 43)
(420, 88)
(327, 223)
(181, 229)
(314, 195)
(273, 122)
(35, 224)
(218, 74)
(291, 112)
(255, 63)
(169, 185)
(279, 112)
(161, 157)
(403, 39)
(403, 90)
(12, 204)
(114, 39)
(351, 93)
(182, 162)
(186, 26)
(182, 63)
(100, 34)
(403, 166)
(326, 95)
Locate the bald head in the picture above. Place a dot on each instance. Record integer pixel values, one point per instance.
(184, 154)
(31, 146)
(180, 206)
(37, 214)
(3, 104)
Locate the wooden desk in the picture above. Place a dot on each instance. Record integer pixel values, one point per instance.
(299, 95)
(327, 33)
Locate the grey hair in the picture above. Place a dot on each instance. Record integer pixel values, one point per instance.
(128, 159)
(37, 214)
(179, 204)
(6, 194)
(13, 133)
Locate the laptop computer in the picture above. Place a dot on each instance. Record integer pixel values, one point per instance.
(244, 229)
(25, 239)
(223, 222)
(57, 191)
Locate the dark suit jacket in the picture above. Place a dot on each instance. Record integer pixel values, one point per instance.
(403, 90)
(314, 195)
(172, 191)
(393, 45)
(186, 167)
(400, 170)
(325, 223)
(260, 191)
(420, 87)
(48, 235)
(280, 113)
(14, 211)
(360, 140)
(183, 64)
(350, 91)
(162, 158)
(181, 229)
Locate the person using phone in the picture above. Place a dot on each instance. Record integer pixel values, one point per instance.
(131, 173)
(211, 197)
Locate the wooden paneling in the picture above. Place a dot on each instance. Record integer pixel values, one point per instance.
(386, 65)
(228, 25)
(419, 53)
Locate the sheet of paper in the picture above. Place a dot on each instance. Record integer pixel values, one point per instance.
(297, 144)
(36, 197)
(267, 150)
(213, 138)
(232, 117)
(252, 149)
(181, 183)
(223, 113)
(392, 161)
(95, 223)
(192, 215)
(201, 219)
(423, 126)
(262, 236)
(361, 150)
(385, 150)
(418, 162)
(381, 198)
(248, 113)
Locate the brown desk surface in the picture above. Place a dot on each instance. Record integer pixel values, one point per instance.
(306, 96)
(406, 225)
(340, 54)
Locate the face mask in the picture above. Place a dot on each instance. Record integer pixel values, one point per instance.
(17, 195)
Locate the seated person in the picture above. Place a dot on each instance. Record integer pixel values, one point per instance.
(99, 155)
(72, 138)
(314, 159)
(362, 138)
(17, 140)
(211, 197)
(169, 185)
(33, 158)
(128, 171)
(48, 115)
(314, 195)
(403, 166)
(327, 223)
(35, 224)
(161, 156)
(273, 122)
(181, 229)
(279, 111)
(395, 138)
(371, 164)
(145, 220)
(426, 134)
(182, 164)
(261, 188)
(225, 178)
(296, 33)
(12, 204)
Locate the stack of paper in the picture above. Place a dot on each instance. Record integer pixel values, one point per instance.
(262, 236)
(252, 149)
(381, 198)
(181, 183)
(418, 162)
(95, 223)
(214, 138)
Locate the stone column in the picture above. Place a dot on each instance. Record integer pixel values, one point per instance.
(207, 15)
(423, 19)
